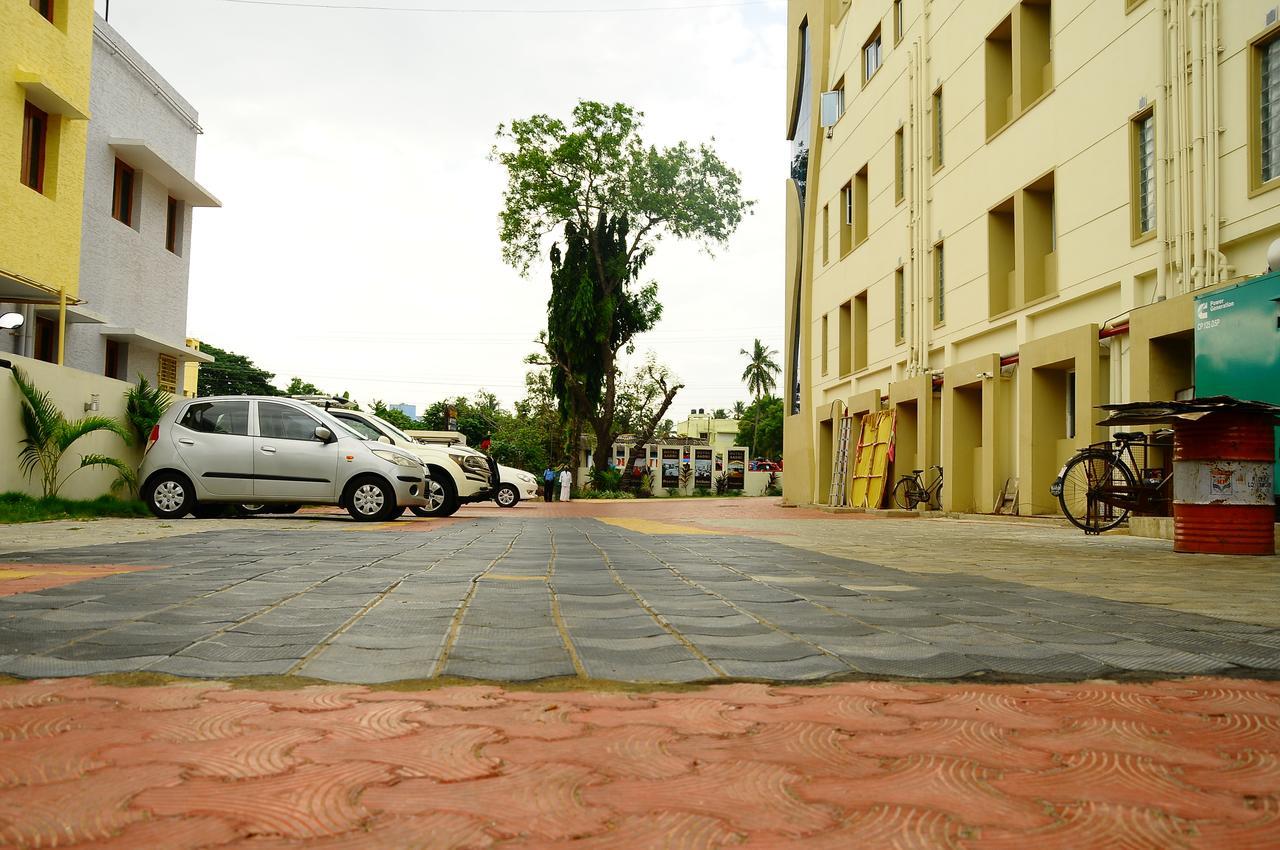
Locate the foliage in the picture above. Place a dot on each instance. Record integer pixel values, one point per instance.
(701, 491)
(686, 475)
(613, 197)
(233, 374)
(644, 484)
(532, 438)
(143, 407)
(720, 413)
(760, 428)
(398, 418)
(297, 386)
(760, 371)
(604, 479)
(19, 507)
(771, 487)
(673, 491)
(604, 494)
(49, 435)
(739, 409)
(722, 483)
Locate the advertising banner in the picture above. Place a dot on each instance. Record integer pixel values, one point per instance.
(737, 471)
(670, 468)
(702, 468)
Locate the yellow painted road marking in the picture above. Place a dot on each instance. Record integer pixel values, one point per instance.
(649, 526)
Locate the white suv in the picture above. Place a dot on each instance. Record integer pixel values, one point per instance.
(458, 474)
(219, 450)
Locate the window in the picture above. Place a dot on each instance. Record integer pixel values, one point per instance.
(872, 56)
(35, 140)
(218, 417)
(173, 227)
(1142, 155)
(282, 422)
(846, 338)
(826, 233)
(45, 8)
(167, 373)
(860, 207)
(1024, 269)
(1019, 62)
(114, 364)
(899, 306)
(846, 219)
(899, 166)
(839, 89)
(860, 332)
(122, 194)
(364, 429)
(1265, 94)
(46, 339)
(826, 343)
(1071, 405)
(897, 22)
(939, 286)
(937, 129)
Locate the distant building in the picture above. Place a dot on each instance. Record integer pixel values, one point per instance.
(717, 433)
(410, 410)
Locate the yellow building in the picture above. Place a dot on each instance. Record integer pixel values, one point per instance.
(720, 433)
(1007, 219)
(46, 55)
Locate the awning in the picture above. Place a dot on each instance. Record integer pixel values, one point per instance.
(76, 314)
(137, 337)
(44, 97)
(18, 289)
(140, 155)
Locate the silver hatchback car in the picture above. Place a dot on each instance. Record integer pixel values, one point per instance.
(274, 452)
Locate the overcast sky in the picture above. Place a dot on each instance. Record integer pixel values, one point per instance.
(357, 243)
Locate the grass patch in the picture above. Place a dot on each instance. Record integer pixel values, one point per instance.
(19, 507)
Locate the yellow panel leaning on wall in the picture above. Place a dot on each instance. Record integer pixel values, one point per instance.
(70, 390)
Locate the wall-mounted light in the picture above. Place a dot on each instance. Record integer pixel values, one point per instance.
(92, 404)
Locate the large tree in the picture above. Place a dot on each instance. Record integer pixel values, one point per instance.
(233, 374)
(610, 197)
(759, 375)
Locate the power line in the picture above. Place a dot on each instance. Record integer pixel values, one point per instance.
(350, 7)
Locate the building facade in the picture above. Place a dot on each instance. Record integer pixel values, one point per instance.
(998, 216)
(45, 59)
(139, 195)
(720, 433)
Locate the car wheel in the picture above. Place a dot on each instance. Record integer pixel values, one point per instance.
(507, 496)
(169, 495)
(442, 496)
(370, 499)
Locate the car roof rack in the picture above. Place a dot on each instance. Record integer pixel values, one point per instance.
(326, 401)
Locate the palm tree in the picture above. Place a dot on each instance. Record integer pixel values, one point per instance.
(759, 375)
(739, 410)
(50, 434)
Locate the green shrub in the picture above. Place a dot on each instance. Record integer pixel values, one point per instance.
(607, 480)
(701, 491)
(19, 507)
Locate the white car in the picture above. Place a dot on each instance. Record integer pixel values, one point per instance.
(459, 475)
(514, 485)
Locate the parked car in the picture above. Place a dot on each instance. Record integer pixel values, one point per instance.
(514, 485)
(227, 450)
(458, 475)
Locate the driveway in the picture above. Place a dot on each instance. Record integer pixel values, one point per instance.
(634, 593)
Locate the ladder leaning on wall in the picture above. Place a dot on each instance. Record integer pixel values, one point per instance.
(838, 497)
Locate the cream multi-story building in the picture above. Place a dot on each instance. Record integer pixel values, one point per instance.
(1008, 217)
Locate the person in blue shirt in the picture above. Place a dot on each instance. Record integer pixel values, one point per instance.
(548, 484)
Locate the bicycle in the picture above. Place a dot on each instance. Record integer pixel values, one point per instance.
(1101, 485)
(911, 490)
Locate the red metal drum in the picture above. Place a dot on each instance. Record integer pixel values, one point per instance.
(1223, 500)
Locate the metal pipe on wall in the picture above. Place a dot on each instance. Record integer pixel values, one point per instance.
(1162, 167)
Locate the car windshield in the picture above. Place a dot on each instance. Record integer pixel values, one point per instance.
(400, 435)
(342, 427)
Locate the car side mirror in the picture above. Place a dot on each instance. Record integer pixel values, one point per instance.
(383, 438)
(323, 434)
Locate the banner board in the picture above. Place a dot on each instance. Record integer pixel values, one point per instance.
(670, 468)
(737, 471)
(702, 468)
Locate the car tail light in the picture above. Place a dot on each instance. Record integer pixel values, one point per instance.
(153, 438)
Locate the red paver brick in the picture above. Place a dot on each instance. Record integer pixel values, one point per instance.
(1005, 711)
(317, 698)
(361, 722)
(94, 807)
(1119, 736)
(53, 758)
(1261, 833)
(692, 716)
(1125, 779)
(253, 754)
(548, 719)
(309, 802)
(1092, 824)
(960, 787)
(975, 740)
(881, 826)
(1224, 701)
(847, 711)
(449, 754)
(1251, 773)
(661, 831)
(46, 576)
(439, 831)
(546, 800)
(811, 748)
(625, 751)
(750, 795)
(177, 833)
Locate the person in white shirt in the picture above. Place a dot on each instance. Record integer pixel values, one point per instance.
(566, 482)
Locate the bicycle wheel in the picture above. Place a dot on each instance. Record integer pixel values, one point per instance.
(1086, 484)
(904, 493)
